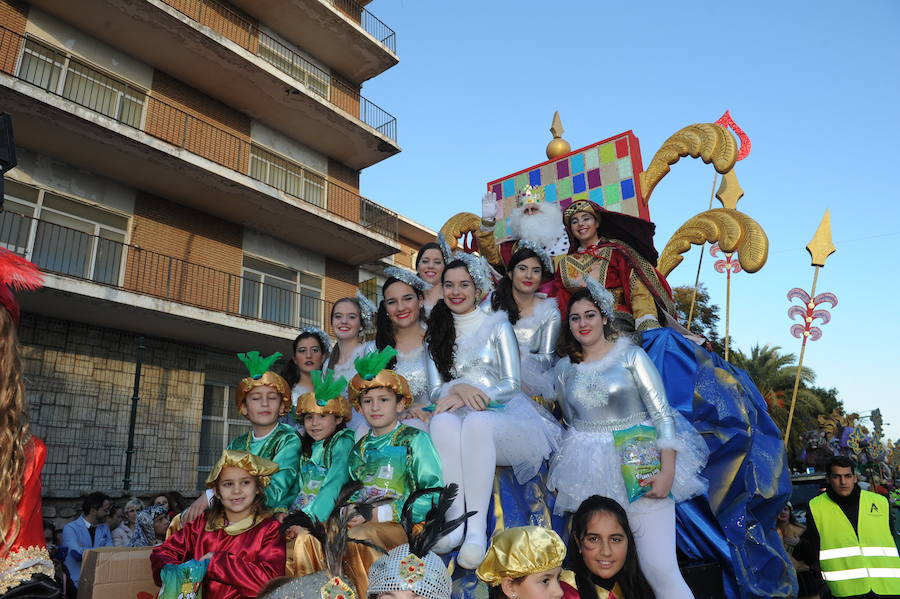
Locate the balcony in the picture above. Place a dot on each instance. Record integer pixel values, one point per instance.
(110, 283)
(341, 33)
(224, 54)
(68, 109)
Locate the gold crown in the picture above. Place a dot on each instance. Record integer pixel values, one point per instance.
(529, 195)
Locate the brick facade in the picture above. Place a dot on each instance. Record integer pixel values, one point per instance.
(341, 281)
(227, 21)
(14, 17)
(407, 254)
(192, 120)
(204, 247)
(343, 190)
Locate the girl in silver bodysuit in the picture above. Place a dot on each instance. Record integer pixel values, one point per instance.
(605, 386)
(535, 318)
(482, 419)
(400, 323)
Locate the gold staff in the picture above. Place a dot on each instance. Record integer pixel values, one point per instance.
(819, 248)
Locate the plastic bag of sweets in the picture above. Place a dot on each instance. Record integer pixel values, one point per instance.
(182, 581)
(638, 458)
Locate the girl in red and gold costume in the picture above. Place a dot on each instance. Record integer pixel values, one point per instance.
(237, 534)
(25, 566)
(617, 251)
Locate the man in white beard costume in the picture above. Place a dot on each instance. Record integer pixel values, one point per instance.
(532, 219)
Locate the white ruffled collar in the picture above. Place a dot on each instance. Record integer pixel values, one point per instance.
(543, 308)
(621, 345)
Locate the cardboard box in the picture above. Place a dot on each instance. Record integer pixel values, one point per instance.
(117, 573)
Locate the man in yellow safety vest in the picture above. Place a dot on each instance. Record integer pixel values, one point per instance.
(849, 532)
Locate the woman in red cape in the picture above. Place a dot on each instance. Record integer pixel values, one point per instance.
(25, 566)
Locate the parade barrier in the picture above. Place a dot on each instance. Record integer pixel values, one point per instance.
(117, 573)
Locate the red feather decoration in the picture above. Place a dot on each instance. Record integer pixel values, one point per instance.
(18, 273)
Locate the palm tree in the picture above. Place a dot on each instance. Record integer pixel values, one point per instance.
(773, 373)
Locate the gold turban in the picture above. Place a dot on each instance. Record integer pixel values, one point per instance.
(520, 551)
(256, 466)
(307, 404)
(270, 379)
(579, 206)
(385, 378)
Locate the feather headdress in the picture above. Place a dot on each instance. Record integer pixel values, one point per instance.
(260, 375)
(326, 396)
(16, 274)
(333, 535)
(372, 374)
(413, 566)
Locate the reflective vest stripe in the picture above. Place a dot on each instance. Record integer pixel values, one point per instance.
(854, 551)
(881, 551)
(884, 572)
(839, 552)
(846, 574)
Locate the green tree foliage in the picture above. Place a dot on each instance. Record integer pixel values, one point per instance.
(774, 372)
(705, 319)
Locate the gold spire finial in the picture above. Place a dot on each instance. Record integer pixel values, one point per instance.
(730, 191)
(821, 246)
(557, 146)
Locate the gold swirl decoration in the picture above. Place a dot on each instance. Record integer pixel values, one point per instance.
(458, 225)
(708, 141)
(734, 232)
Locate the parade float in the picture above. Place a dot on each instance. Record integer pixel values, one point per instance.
(731, 527)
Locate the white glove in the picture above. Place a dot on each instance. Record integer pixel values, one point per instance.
(489, 206)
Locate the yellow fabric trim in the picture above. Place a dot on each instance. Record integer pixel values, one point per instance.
(23, 563)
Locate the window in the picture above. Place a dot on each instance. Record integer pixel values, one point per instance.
(63, 235)
(287, 176)
(312, 308)
(277, 294)
(75, 80)
(219, 423)
(287, 61)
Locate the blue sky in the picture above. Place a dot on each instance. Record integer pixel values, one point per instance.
(815, 85)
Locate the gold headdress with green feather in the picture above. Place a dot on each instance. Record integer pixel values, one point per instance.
(326, 396)
(372, 374)
(260, 375)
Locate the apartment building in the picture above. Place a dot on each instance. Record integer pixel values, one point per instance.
(188, 179)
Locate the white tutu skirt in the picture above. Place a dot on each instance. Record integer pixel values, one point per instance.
(525, 434)
(535, 380)
(588, 464)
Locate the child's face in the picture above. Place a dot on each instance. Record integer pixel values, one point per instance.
(308, 355)
(320, 426)
(262, 405)
(381, 408)
(543, 585)
(236, 489)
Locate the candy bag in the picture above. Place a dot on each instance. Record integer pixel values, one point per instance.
(182, 581)
(638, 458)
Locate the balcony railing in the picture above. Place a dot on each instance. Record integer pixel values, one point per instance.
(247, 34)
(49, 69)
(76, 254)
(369, 22)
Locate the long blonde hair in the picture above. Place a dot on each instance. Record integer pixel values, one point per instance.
(14, 431)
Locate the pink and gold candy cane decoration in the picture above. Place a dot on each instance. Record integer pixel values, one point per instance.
(819, 249)
(728, 265)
